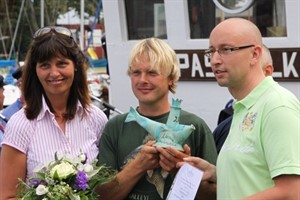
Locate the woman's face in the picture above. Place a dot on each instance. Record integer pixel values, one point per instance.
(56, 76)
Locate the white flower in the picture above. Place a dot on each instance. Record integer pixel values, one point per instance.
(40, 167)
(80, 166)
(63, 170)
(74, 197)
(41, 190)
(82, 157)
(88, 168)
(71, 159)
(58, 178)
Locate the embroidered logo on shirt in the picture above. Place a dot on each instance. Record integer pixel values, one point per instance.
(248, 121)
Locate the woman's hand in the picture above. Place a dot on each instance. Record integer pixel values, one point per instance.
(209, 170)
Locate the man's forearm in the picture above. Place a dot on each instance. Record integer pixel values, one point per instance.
(121, 185)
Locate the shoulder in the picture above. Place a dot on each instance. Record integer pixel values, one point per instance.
(222, 129)
(280, 100)
(19, 131)
(225, 124)
(117, 119)
(117, 124)
(188, 117)
(95, 117)
(276, 95)
(94, 111)
(201, 126)
(19, 120)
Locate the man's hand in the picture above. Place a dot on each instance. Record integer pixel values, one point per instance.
(147, 158)
(169, 157)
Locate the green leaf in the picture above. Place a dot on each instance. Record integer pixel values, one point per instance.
(55, 176)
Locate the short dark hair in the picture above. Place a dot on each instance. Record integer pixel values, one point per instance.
(17, 73)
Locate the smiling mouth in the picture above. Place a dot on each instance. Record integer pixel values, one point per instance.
(55, 81)
(144, 90)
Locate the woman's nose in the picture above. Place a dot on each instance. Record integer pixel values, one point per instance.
(54, 70)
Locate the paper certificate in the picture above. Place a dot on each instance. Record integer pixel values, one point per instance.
(186, 183)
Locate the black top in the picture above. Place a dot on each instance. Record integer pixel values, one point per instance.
(221, 132)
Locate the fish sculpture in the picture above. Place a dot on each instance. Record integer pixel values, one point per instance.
(170, 134)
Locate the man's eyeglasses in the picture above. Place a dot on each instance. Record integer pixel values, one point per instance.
(225, 50)
(57, 29)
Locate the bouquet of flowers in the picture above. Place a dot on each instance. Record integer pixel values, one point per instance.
(66, 178)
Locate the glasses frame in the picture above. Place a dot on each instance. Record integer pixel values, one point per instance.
(57, 29)
(225, 50)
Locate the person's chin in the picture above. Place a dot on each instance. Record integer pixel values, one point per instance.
(222, 82)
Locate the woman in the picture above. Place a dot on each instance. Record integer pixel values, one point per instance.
(58, 116)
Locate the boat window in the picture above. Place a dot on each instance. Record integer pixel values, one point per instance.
(268, 15)
(146, 18)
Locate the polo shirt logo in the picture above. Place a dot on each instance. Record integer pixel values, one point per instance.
(248, 121)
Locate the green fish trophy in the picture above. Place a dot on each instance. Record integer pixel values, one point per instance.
(170, 134)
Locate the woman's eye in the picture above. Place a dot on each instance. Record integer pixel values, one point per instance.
(44, 65)
(62, 64)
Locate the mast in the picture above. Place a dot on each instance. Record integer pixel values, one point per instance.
(2, 40)
(16, 30)
(81, 40)
(42, 13)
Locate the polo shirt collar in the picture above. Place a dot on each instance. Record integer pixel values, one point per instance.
(256, 93)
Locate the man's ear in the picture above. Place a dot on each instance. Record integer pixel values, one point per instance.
(256, 54)
(268, 70)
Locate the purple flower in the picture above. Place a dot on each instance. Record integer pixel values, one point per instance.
(81, 181)
(34, 182)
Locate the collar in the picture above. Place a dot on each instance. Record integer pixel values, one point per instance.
(256, 93)
(45, 109)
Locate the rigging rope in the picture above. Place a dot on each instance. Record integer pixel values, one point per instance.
(94, 24)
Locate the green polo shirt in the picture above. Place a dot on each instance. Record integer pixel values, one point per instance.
(263, 142)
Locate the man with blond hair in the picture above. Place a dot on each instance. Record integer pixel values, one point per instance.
(128, 147)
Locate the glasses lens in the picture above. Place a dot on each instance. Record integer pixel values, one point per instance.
(63, 30)
(45, 30)
(208, 52)
(41, 31)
